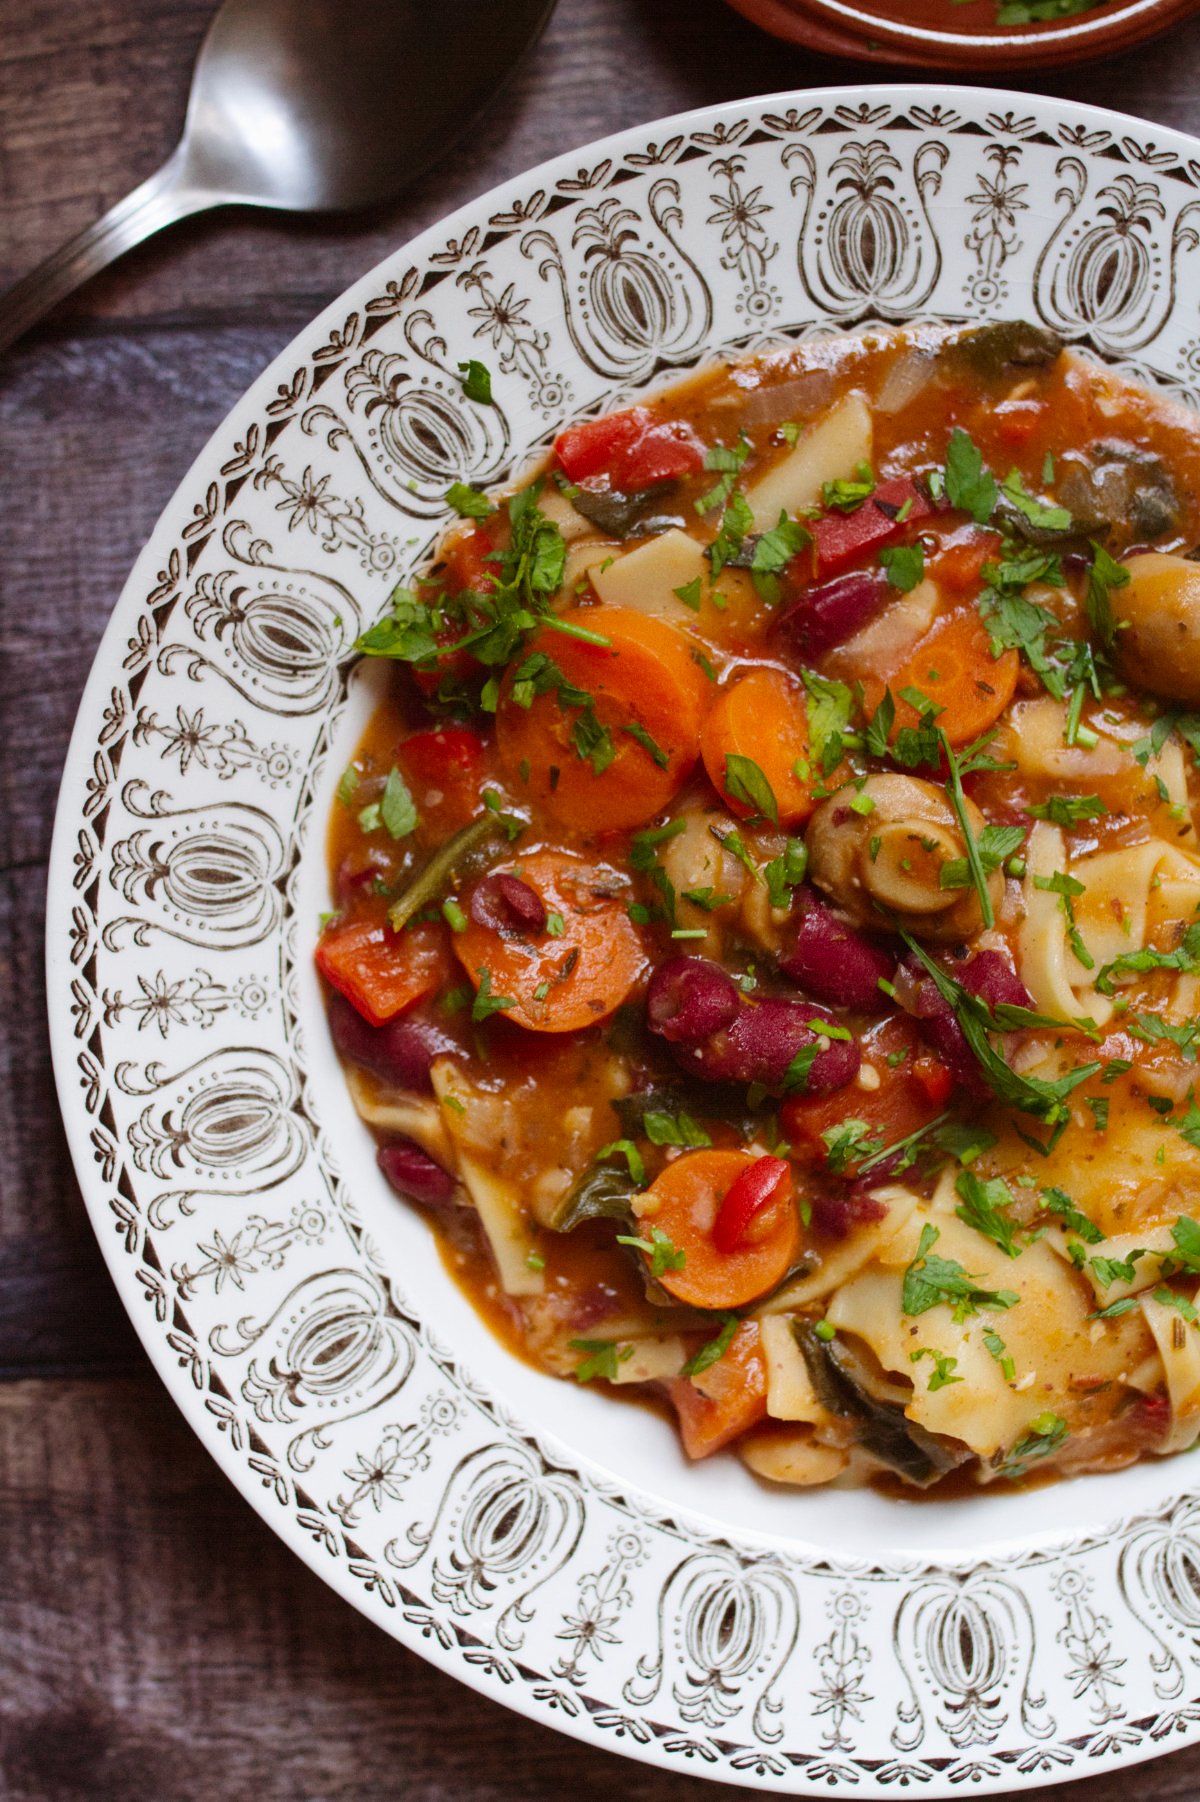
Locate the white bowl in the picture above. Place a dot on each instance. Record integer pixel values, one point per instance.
(541, 1542)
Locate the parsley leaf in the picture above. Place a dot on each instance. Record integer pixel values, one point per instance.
(477, 382)
(714, 1350)
(1044, 1436)
(1056, 1201)
(847, 1142)
(904, 567)
(1068, 810)
(786, 871)
(746, 783)
(655, 751)
(984, 1206)
(661, 1250)
(969, 485)
(1185, 957)
(930, 1280)
(943, 1366)
(1105, 575)
(674, 1129)
(829, 705)
(845, 495)
(397, 810)
(470, 503)
(625, 1148)
(1042, 514)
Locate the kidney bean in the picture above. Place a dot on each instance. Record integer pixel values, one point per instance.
(414, 1174)
(832, 612)
(760, 1043)
(690, 998)
(400, 1052)
(986, 975)
(832, 960)
(505, 904)
(837, 1213)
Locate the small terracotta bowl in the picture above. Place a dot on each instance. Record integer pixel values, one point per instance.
(938, 34)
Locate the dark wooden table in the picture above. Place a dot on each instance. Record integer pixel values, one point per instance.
(157, 1644)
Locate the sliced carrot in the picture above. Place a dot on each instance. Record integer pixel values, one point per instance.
(684, 1203)
(725, 1400)
(953, 665)
(576, 971)
(380, 971)
(619, 759)
(763, 717)
(912, 1091)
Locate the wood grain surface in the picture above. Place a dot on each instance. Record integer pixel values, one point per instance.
(157, 1643)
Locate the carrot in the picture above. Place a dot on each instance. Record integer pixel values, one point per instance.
(957, 567)
(953, 665)
(912, 1092)
(575, 971)
(615, 731)
(684, 1203)
(380, 971)
(725, 1400)
(762, 717)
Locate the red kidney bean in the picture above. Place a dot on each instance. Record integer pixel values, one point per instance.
(414, 1174)
(506, 904)
(830, 959)
(986, 975)
(837, 1213)
(690, 998)
(760, 1043)
(400, 1052)
(832, 612)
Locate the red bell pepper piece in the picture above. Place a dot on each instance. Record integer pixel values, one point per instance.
(840, 539)
(631, 449)
(758, 1185)
(381, 972)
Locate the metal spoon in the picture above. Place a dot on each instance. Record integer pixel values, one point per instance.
(305, 105)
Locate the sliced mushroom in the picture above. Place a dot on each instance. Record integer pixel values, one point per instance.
(889, 858)
(1158, 639)
(1120, 487)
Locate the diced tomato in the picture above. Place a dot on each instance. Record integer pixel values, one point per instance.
(758, 1185)
(630, 448)
(450, 764)
(382, 972)
(467, 566)
(912, 1091)
(725, 1400)
(840, 539)
(1015, 421)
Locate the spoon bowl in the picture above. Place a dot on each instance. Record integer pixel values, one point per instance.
(305, 106)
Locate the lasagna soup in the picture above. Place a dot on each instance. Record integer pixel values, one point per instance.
(767, 923)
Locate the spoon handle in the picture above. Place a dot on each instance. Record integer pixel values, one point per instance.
(167, 196)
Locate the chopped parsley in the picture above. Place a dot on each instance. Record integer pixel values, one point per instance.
(984, 1205)
(674, 1129)
(470, 503)
(1045, 1433)
(1105, 575)
(848, 1142)
(943, 1367)
(745, 782)
(786, 872)
(715, 1349)
(1068, 810)
(969, 485)
(846, 495)
(604, 1358)
(930, 1280)
(904, 567)
(662, 1252)
(486, 1003)
(477, 382)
